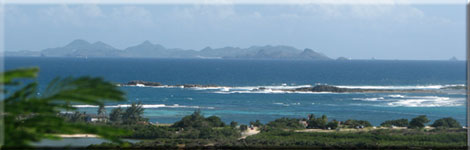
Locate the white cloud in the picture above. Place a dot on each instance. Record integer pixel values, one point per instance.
(132, 15)
(396, 13)
(209, 11)
(71, 14)
(94, 15)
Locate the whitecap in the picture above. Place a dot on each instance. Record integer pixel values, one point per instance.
(144, 106)
(428, 102)
(396, 96)
(369, 99)
(392, 87)
(282, 104)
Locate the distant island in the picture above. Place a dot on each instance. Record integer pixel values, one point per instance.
(82, 48)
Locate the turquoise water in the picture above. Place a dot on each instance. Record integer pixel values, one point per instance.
(239, 102)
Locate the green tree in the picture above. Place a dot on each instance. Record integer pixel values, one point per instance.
(323, 121)
(398, 123)
(355, 123)
(77, 117)
(116, 115)
(133, 114)
(233, 124)
(311, 117)
(285, 123)
(101, 110)
(332, 124)
(317, 123)
(257, 123)
(243, 127)
(418, 122)
(215, 121)
(30, 116)
(446, 123)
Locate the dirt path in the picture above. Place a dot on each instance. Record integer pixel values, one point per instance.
(250, 132)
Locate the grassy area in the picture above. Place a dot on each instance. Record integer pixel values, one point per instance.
(383, 138)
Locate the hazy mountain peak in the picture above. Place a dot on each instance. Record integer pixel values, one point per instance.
(82, 48)
(308, 50)
(206, 48)
(100, 44)
(78, 42)
(146, 42)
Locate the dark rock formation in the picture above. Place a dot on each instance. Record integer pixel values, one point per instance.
(146, 83)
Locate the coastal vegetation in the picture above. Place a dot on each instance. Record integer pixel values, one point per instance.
(397, 123)
(197, 131)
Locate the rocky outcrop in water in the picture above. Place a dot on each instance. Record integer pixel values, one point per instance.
(455, 87)
(334, 89)
(145, 83)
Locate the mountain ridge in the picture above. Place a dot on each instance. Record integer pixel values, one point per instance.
(146, 49)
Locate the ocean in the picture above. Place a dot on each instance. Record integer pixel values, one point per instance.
(239, 101)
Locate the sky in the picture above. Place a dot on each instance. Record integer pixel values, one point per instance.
(395, 31)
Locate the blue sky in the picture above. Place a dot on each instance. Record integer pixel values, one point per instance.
(417, 32)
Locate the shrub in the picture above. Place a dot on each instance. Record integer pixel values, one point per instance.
(317, 123)
(446, 123)
(243, 127)
(332, 124)
(398, 123)
(197, 120)
(233, 124)
(355, 123)
(418, 122)
(285, 123)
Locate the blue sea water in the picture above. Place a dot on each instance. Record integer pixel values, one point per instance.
(240, 103)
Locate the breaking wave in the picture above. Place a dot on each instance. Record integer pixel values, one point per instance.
(410, 87)
(281, 89)
(144, 106)
(415, 101)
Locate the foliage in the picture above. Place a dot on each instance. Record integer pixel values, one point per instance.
(446, 123)
(356, 123)
(332, 124)
(74, 117)
(418, 122)
(31, 115)
(376, 139)
(197, 120)
(147, 131)
(285, 123)
(133, 114)
(257, 123)
(101, 110)
(243, 127)
(209, 133)
(233, 124)
(116, 115)
(397, 123)
(317, 123)
(215, 121)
